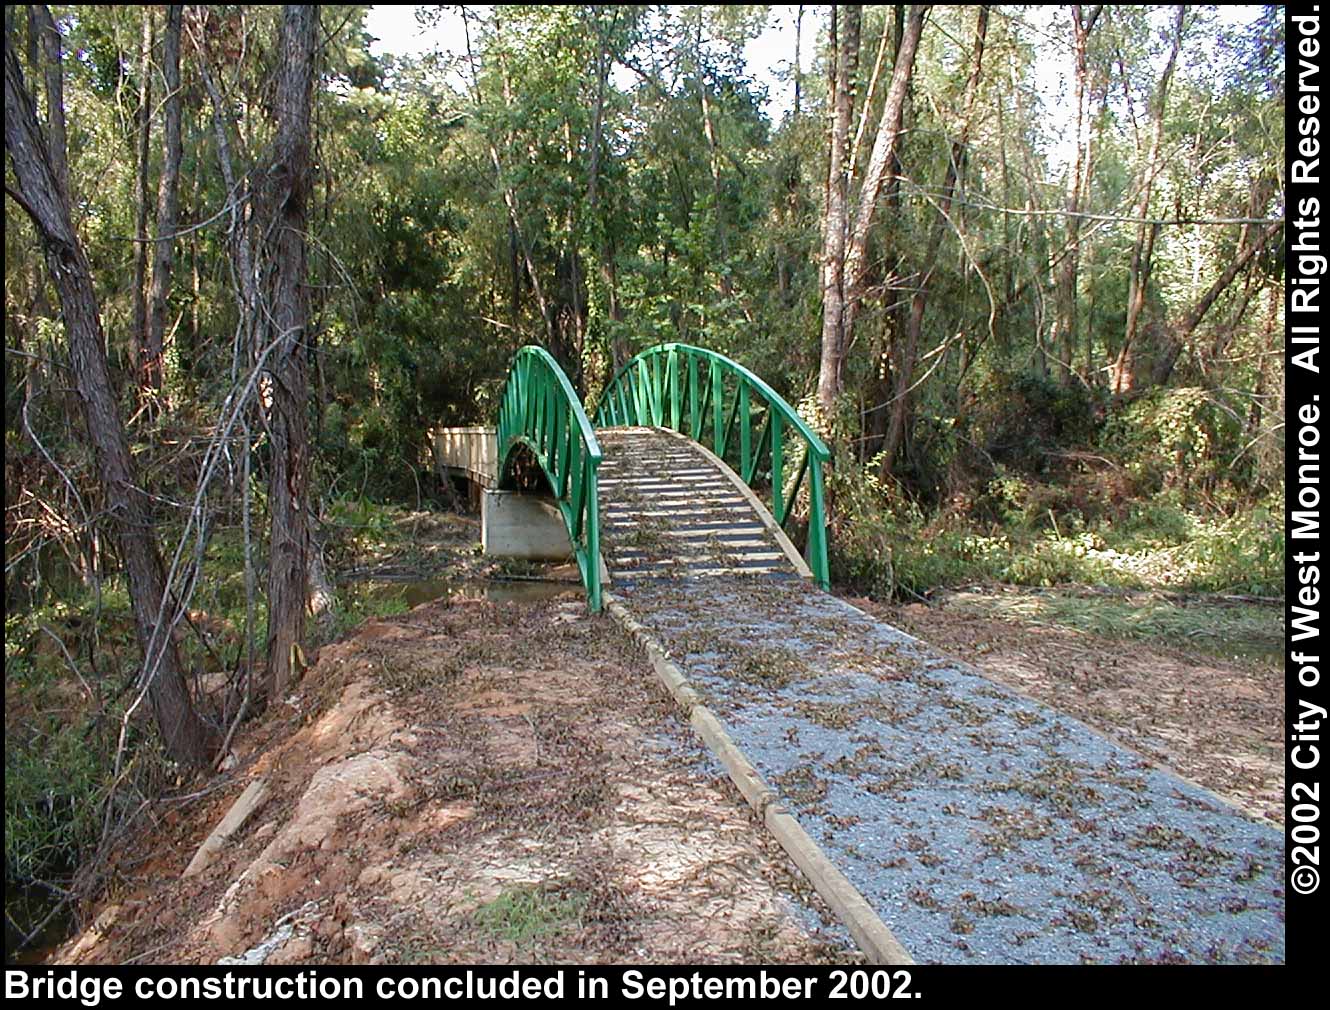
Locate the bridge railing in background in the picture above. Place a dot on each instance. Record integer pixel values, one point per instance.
(721, 404)
(541, 411)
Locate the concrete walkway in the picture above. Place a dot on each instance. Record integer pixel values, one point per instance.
(982, 827)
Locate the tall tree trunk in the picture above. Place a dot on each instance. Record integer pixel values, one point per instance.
(39, 15)
(620, 350)
(163, 253)
(845, 21)
(904, 372)
(866, 107)
(139, 341)
(285, 203)
(1142, 252)
(1063, 337)
(887, 343)
(875, 175)
(187, 737)
(798, 63)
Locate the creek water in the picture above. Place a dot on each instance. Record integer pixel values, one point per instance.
(28, 906)
(415, 592)
(1265, 651)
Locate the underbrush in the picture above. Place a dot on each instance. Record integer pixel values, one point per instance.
(884, 546)
(66, 700)
(1052, 486)
(71, 662)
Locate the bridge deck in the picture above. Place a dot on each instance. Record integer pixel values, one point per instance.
(669, 508)
(982, 826)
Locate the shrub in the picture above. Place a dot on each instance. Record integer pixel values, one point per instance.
(1173, 438)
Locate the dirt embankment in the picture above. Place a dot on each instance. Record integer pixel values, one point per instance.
(469, 782)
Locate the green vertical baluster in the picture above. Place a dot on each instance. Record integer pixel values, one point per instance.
(648, 384)
(641, 390)
(542, 423)
(675, 406)
(702, 414)
(657, 391)
(718, 410)
(729, 425)
(694, 399)
(591, 573)
(653, 389)
(565, 475)
(793, 497)
(777, 471)
(750, 474)
(745, 431)
(555, 462)
(578, 490)
(817, 528)
(539, 397)
(551, 419)
(529, 401)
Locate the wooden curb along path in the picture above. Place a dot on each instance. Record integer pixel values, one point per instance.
(876, 940)
(652, 474)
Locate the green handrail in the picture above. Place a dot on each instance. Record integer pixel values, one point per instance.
(541, 411)
(690, 389)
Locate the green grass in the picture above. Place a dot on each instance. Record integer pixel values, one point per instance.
(357, 602)
(54, 787)
(529, 912)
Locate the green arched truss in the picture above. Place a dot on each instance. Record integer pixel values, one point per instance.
(721, 404)
(541, 411)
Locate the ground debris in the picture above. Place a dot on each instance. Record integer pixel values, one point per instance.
(451, 785)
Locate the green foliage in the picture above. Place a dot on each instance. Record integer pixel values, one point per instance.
(1024, 415)
(55, 782)
(1174, 437)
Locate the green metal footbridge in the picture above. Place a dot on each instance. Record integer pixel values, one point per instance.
(693, 466)
(843, 733)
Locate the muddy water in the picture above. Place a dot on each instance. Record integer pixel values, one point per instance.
(414, 593)
(29, 906)
(1265, 651)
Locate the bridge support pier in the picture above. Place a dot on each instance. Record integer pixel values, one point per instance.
(524, 526)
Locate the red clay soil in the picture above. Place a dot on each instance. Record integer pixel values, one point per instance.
(468, 782)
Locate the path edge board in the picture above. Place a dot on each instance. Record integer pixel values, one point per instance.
(874, 937)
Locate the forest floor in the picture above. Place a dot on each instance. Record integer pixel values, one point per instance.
(449, 784)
